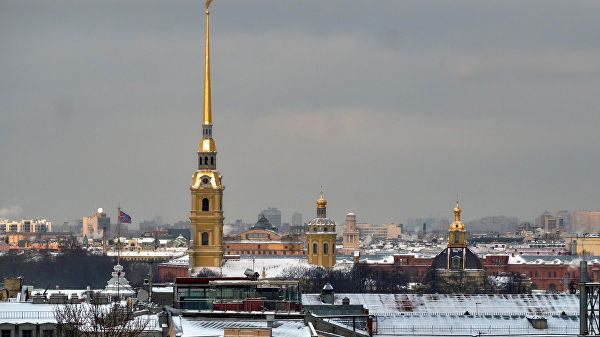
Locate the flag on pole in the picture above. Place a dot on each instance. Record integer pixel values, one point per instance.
(124, 217)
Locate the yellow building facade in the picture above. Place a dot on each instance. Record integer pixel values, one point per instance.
(206, 215)
(584, 246)
(320, 238)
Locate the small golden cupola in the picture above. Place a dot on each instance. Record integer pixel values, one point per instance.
(321, 207)
(457, 233)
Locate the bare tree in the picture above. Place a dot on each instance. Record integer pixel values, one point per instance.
(93, 320)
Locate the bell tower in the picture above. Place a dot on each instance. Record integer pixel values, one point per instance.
(320, 237)
(206, 214)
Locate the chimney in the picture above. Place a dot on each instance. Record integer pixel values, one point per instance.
(327, 295)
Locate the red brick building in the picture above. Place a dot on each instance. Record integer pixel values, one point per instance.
(546, 272)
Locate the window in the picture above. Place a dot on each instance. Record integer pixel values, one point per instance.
(205, 160)
(314, 248)
(205, 205)
(27, 333)
(554, 274)
(212, 160)
(205, 239)
(325, 249)
(549, 274)
(530, 274)
(324, 228)
(536, 274)
(5, 333)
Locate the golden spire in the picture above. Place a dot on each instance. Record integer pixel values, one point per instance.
(457, 211)
(321, 203)
(207, 106)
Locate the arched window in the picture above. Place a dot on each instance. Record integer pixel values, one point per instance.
(212, 160)
(325, 249)
(205, 205)
(205, 160)
(205, 239)
(314, 248)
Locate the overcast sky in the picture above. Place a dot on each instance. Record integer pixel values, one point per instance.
(393, 106)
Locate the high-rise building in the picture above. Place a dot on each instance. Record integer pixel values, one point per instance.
(206, 215)
(297, 219)
(585, 222)
(273, 215)
(26, 226)
(320, 237)
(548, 222)
(564, 220)
(93, 227)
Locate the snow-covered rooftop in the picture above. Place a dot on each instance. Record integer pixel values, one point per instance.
(457, 304)
(200, 327)
(273, 267)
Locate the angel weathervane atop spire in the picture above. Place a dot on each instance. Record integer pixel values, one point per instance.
(208, 3)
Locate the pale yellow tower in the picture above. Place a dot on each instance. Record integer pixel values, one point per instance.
(206, 215)
(457, 234)
(320, 237)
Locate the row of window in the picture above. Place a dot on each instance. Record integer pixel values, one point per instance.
(551, 274)
(321, 229)
(258, 247)
(27, 333)
(325, 248)
(260, 252)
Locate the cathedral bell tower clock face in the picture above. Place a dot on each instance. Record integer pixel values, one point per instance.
(205, 181)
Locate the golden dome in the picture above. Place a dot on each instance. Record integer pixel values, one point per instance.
(321, 203)
(207, 145)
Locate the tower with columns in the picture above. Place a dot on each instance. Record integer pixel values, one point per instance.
(351, 233)
(320, 237)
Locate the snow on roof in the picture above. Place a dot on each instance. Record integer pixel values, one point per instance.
(200, 327)
(162, 289)
(27, 312)
(572, 260)
(382, 260)
(473, 325)
(147, 253)
(272, 266)
(457, 304)
(180, 261)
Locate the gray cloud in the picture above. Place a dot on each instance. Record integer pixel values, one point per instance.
(393, 106)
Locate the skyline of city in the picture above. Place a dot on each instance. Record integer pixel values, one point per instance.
(462, 119)
(388, 108)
